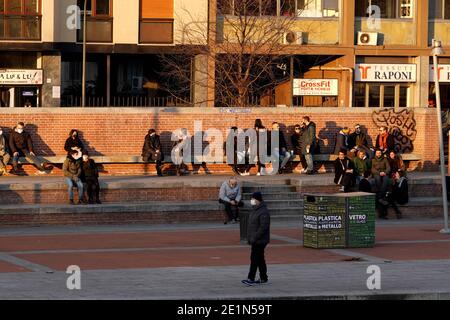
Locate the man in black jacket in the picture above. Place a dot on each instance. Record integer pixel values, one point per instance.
(258, 236)
(21, 145)
(308, 144)
(89, 176)
(344, 171)
(152, 150)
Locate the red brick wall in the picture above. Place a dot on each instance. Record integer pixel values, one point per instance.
(121, 131)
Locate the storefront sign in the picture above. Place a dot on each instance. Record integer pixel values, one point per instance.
(365, 72)
(20, 77)
(443, 73)
(316, 87)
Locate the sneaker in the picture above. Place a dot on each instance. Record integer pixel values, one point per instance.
(80, 202)
(258, 174)
(259, 281)
(249, 282)
(341, 189)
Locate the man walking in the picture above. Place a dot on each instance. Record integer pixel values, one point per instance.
(258, 235)
(309, 144)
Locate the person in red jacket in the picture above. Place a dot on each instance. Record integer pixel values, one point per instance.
(385, 142)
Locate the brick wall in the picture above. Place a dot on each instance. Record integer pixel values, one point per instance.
(121, 131)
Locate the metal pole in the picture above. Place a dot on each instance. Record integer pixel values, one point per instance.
(83, 81)
(441, 145)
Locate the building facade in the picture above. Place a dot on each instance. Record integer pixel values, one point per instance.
(343, 64)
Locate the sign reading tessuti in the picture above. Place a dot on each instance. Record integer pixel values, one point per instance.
(316, 87)
(21, 77)
(443, 73)
(367, 72)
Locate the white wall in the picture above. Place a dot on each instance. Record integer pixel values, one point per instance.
(191, 15)
(126, 21)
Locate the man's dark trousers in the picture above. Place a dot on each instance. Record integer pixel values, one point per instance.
(258, 262)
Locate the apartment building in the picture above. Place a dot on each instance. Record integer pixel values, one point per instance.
(368, 62)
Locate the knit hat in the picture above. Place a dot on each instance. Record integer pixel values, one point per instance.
(257, 196)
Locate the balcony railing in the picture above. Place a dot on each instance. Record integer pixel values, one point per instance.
(125, 101)
(99, 29)
(156, 31)
(20, 27)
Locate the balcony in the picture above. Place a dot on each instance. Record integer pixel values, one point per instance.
(99, 29)
(156, 31)
(20, 27)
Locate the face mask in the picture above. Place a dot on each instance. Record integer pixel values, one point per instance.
(253, 202)
(85, 158)
(19, 130)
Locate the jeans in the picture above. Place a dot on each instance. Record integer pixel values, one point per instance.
(70, 184)
(381, 183)
(283, 157)
(309, 162)
(33, 159)
(257, 261)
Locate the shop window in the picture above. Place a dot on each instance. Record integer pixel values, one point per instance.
(439, 9)
(20, 20)
(377, 95)
(389, 9)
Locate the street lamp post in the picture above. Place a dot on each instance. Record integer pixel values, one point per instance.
(83, 81)
(438, 50)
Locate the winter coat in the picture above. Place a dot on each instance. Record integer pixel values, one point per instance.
(341, 176)
(380, 165)
(296, 141)
(309, 138)
(72, 143)
(151, 145)
(356, 140)
(396, 164)
(88, 170)
(341, 142)
(361, 166)
(20, 142)
(258, 229)
(365, 186)
(72, 168)
(228, 194)
(390, 141)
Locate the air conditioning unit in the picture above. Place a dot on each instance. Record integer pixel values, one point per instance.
(137, 83)
(367, 38)
(293, 37)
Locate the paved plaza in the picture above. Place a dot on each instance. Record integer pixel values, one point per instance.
(207, 261)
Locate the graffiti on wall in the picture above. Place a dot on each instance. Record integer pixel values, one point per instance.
(401, 124)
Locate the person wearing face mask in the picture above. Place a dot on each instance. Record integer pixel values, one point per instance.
(73, 142)
(230, 195)
(21, 145)
(152, 150)
(4, 153)
(72, 174)
(258, 236)
(89, 176)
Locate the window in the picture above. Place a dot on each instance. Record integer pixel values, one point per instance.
(20, 19)
(389, 9)
(96, 7)
(439, 9)
(156, 23)
(378, 95)
(99, 21)
(287, 8)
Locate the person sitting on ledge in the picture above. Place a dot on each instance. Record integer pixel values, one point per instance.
(89, 176)
(230, 195)
(21, 145)
(152, 150)
(73, 142)
(4, 153)
(344, 171)
(72, 174)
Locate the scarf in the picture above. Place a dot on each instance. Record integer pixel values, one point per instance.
(382, 140)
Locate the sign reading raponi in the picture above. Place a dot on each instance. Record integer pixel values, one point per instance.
(367, 72)
(316, 87)
(21, 77)
(443, 73)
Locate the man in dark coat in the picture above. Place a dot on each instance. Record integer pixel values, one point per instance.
(385, 142)
(21, 145)
(344, 171)
(258, 236)
(152, 150)
(296, 141)
(357, 141)
(308, 144)
(342, 141)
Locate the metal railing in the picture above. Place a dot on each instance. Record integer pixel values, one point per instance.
(125, 101)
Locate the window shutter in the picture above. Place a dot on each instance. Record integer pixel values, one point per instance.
(157, 9)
